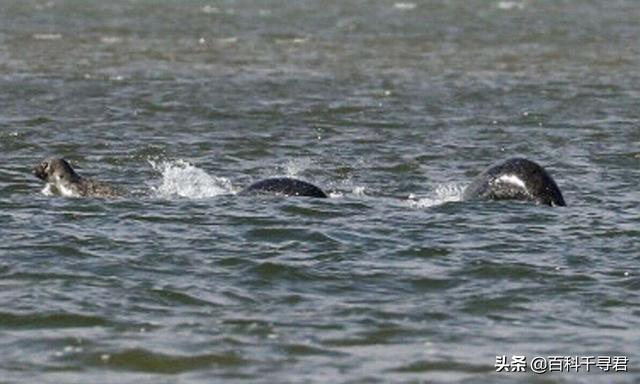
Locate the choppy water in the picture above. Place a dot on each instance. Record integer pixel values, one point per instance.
(392, 107)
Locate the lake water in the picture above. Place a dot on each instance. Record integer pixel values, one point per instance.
(392, 108)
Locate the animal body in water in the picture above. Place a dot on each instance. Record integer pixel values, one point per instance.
(63, 180)
(283, 186)
(515, 179)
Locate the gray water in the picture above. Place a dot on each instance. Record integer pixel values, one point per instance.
(391, 107)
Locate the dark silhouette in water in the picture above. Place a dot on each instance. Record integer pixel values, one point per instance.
(515, 179)
(63, 180)
(283, 186)
(512, 179)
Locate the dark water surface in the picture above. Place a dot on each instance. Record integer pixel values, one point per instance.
(392, 107)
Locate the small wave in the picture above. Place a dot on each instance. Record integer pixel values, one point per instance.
(180, 178)
(293, 168)
(443, 193)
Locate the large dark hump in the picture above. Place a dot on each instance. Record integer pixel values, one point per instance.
(515, 179)
(283, 186)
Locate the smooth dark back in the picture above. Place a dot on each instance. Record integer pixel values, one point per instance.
(284, 186)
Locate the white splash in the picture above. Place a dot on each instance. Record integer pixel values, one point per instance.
(356, 191)
(443, 193)
(294, 167)
(180, 178)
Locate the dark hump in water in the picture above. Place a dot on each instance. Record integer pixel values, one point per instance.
(283, 186)
(515, 179)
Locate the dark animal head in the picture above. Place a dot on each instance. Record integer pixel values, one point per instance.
(52, 170)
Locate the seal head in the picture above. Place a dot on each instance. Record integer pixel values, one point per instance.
(283, 186)
(515, 179)
(52, 170)
(63, 180)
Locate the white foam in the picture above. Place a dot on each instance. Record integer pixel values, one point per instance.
(356, 191)
(294, 167)
(180, 178)
(443, 193)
